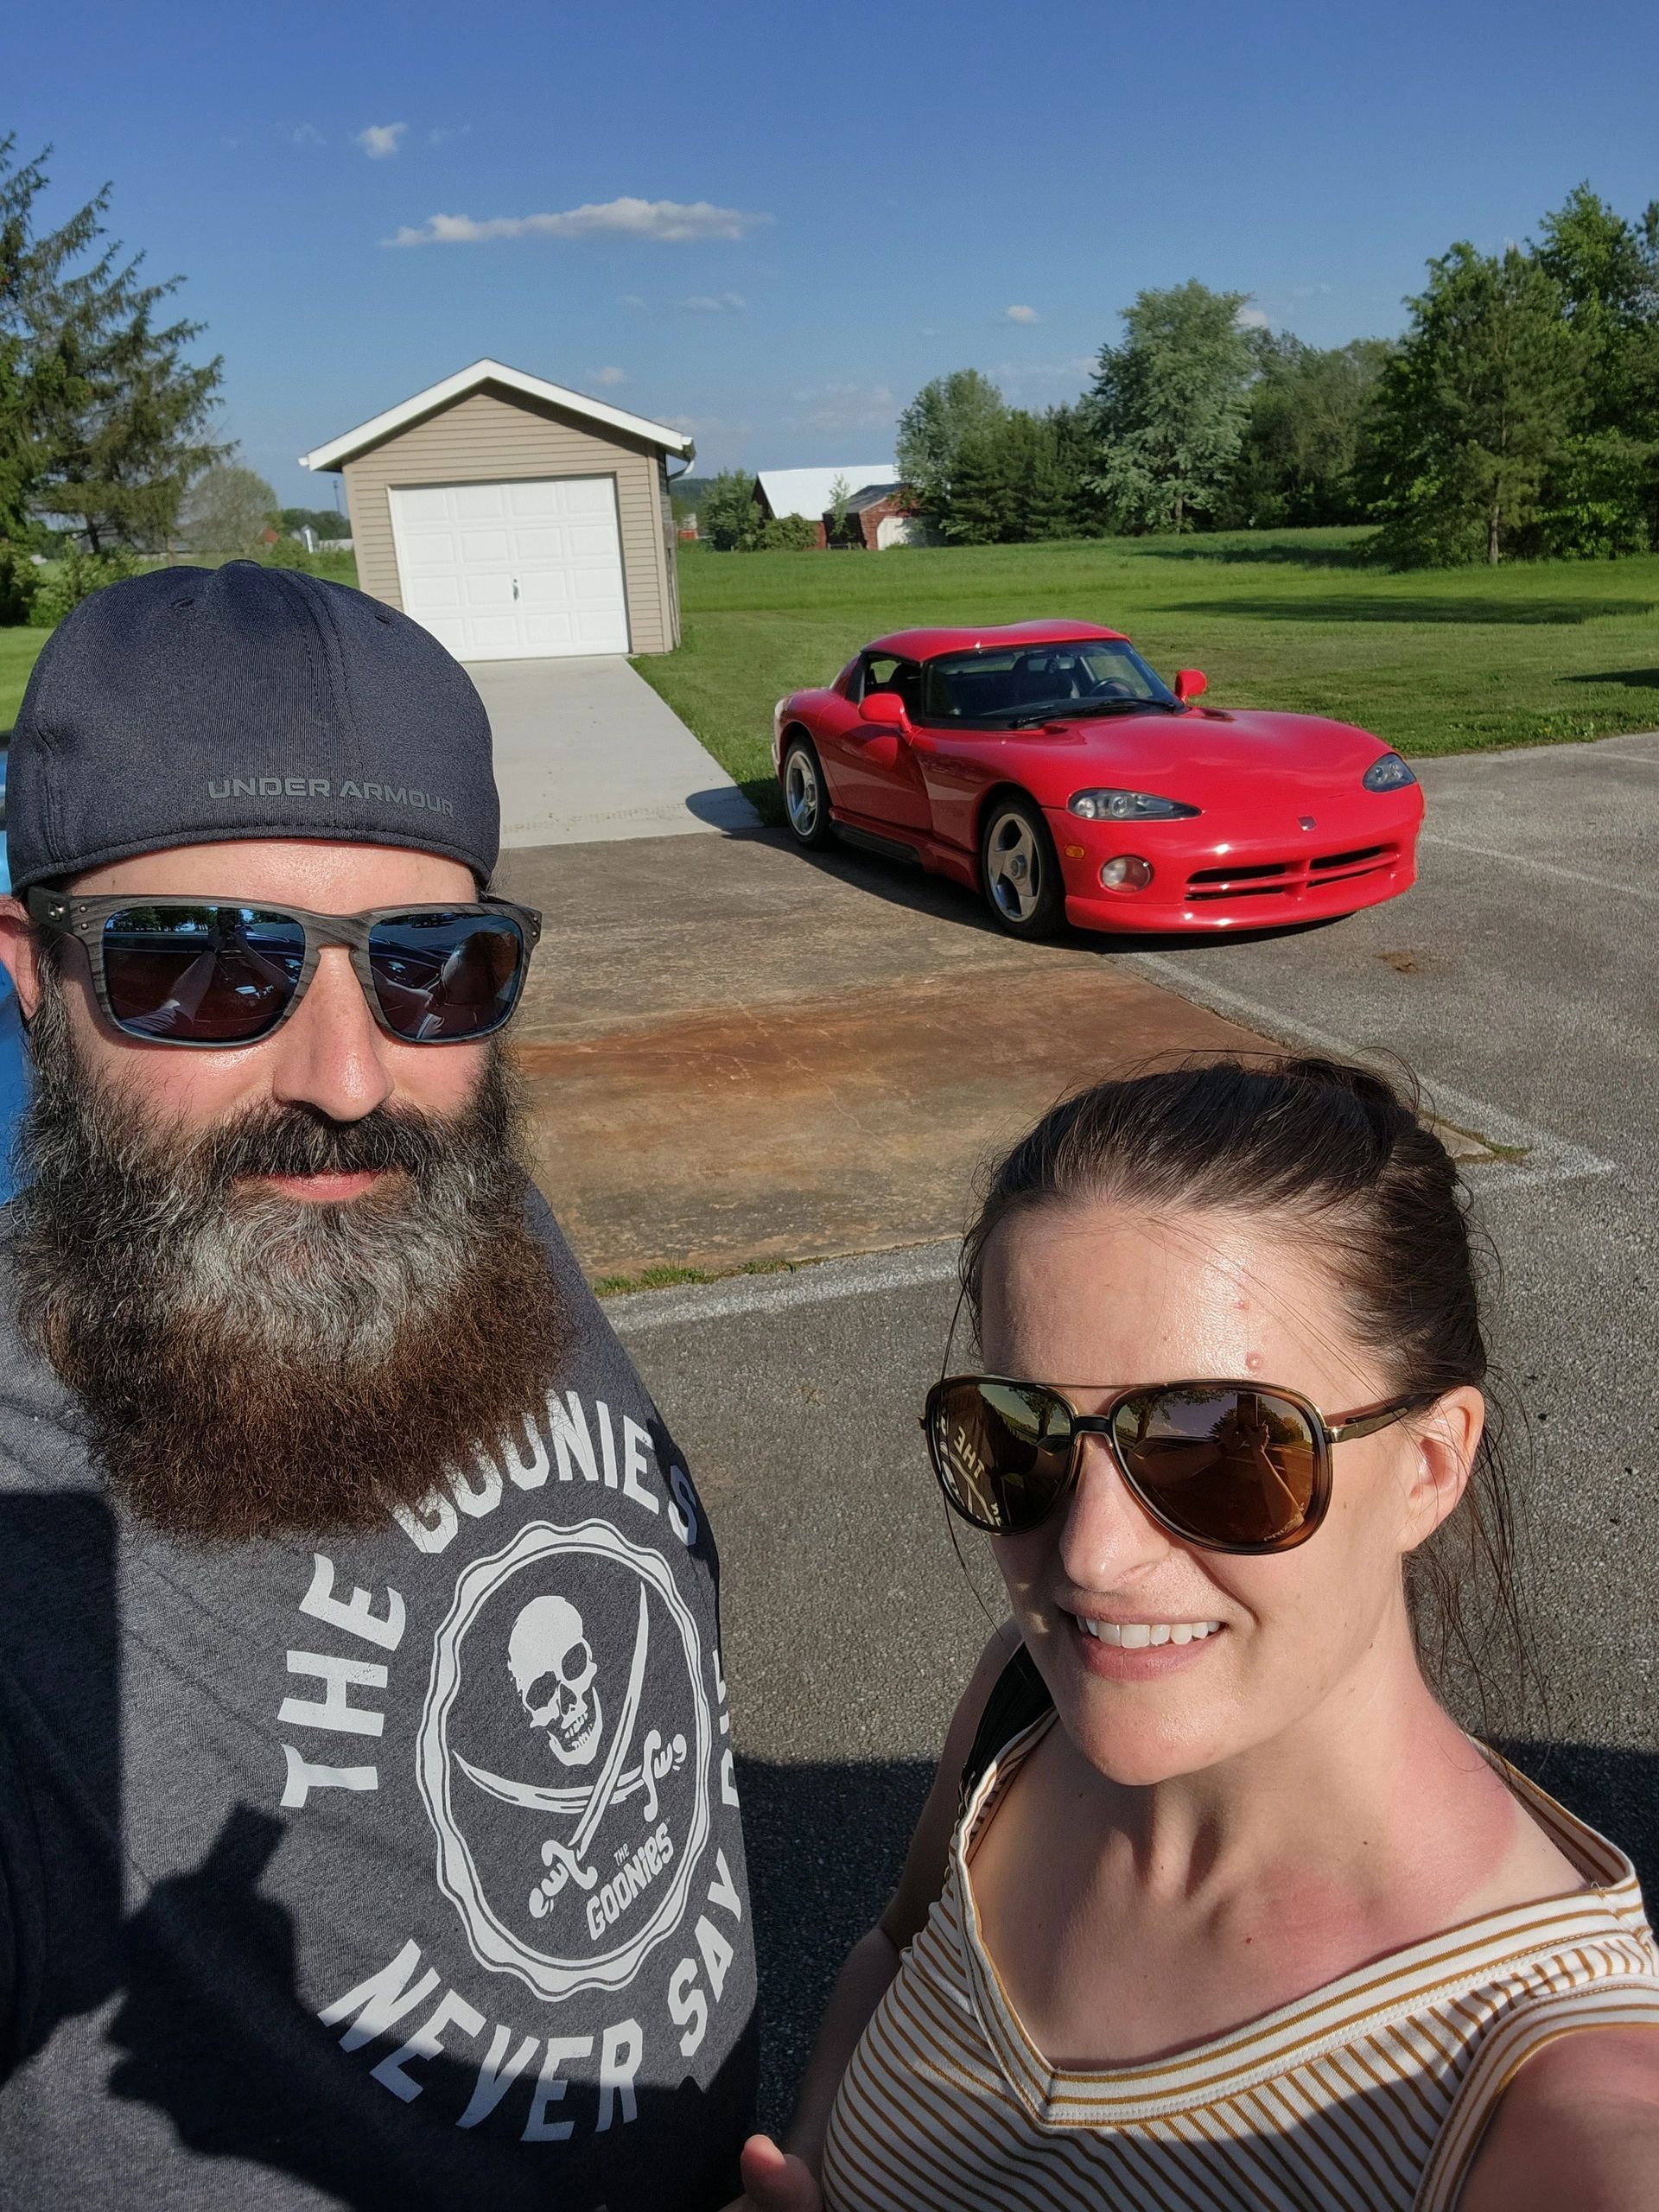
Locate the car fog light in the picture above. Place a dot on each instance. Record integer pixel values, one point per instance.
(1129, 872)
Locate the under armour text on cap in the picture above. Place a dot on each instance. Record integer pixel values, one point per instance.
(193, 705)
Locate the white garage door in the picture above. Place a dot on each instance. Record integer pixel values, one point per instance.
(513, 571)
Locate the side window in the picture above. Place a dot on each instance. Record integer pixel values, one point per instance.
(886, 673)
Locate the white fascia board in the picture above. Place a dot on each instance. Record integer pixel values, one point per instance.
(340, 450)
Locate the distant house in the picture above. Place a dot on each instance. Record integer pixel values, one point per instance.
(811, 492)
(877, 517)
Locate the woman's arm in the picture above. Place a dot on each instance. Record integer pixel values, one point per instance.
(771, 2185)
(1579, 2125)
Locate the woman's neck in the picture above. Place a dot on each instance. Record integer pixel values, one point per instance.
(1332, 1807)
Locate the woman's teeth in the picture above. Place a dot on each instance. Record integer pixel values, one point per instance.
(1132, 1635)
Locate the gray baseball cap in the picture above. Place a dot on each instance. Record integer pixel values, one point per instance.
(193, 705)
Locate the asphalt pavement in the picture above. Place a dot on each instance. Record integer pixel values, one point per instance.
(1519, 981)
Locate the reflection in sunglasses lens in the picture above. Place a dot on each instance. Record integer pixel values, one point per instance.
(442, 975)
(201, 975)
(1003, 1450)
(1226, 1465)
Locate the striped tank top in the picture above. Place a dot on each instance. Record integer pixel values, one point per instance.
(1370, 2095)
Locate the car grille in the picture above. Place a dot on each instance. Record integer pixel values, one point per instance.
(1292, 879)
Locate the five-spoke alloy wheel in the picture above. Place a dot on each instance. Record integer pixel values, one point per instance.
(1019, 870)
(806, 802)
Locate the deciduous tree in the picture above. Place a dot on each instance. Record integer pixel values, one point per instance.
(938, 425)
(1170, 405)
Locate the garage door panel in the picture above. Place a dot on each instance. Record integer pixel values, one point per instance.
(478, 502)
(546, 588)
(541, 549)
(515, 569)
(591, 495)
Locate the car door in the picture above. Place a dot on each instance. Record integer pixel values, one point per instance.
(876, 774)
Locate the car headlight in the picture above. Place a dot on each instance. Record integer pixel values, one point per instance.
(1390, 773)
(1128, 806)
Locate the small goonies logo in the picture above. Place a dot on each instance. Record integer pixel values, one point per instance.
(564, 1757)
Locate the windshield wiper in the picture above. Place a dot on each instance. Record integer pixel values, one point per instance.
(1060, 712)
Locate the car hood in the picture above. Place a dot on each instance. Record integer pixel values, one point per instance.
(1201, 757)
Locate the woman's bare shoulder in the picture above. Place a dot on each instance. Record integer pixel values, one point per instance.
(1579, 2125)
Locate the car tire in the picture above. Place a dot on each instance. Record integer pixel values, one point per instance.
(806, 796)
(1019, 871)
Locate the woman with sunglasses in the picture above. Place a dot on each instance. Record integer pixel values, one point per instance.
(1213, 1905)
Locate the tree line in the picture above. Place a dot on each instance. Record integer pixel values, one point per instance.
(1517, 417)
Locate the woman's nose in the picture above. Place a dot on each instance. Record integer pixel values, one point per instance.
(1108, 1535)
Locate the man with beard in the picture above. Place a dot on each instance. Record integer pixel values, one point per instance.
(368, 1833)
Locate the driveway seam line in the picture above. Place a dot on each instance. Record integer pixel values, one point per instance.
(1551, 1159)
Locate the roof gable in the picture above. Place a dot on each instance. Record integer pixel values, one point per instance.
(338, 451)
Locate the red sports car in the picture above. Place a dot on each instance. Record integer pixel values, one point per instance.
(1046, 766)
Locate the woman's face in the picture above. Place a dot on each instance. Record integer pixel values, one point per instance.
(1095, 1299)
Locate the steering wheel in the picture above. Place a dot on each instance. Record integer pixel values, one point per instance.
(1109, 686)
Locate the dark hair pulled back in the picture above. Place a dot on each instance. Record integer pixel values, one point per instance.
(1339, 1155)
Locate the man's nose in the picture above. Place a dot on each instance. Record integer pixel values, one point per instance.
(331, 1053)
(1107, 1535)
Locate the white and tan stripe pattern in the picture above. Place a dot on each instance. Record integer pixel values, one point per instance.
(1370, 2095)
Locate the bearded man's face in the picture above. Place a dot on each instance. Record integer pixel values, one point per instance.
(292, 1282)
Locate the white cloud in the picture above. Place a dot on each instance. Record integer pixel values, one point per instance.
(610, 376)
(670, 222)
(379, 139)
(1252, 319)
(714, 302)
(846, 407)
(307, 135)
(1021, 314)
(442, 133)
(629, 299)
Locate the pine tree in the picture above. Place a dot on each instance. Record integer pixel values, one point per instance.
(107, 420)
(1472, 411)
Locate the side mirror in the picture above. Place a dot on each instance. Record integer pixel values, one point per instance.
(1190, 682)
(884, 707)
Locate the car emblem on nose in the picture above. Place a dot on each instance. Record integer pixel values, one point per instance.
(1305, 821)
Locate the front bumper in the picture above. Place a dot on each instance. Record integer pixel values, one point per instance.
(1266, 881)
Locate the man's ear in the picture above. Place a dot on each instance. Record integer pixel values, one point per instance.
(19, 955)
(1443, 1443)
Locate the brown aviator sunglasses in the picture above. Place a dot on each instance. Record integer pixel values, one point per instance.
(1229, 1466)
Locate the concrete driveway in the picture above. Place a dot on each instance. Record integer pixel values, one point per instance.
(586, 751)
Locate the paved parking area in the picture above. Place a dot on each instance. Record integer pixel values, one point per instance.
(586, 751)
(1529, 1002)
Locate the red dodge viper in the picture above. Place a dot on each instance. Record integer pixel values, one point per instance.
(1045, 764)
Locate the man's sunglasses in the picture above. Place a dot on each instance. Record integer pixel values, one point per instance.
(1227, 1466)
(212, 972)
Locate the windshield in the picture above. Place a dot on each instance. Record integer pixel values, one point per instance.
(1007, 684)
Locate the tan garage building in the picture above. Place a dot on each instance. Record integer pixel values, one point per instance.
(514, 519)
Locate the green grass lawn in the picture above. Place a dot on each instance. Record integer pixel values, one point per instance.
(1441, 661)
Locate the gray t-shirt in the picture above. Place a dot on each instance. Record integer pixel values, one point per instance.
(404, 1869)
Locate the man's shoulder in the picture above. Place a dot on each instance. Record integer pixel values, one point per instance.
(41, 1443)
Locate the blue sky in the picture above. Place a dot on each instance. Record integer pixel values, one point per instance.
(771, 223)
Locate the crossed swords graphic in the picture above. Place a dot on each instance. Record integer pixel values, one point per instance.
(567, 1862)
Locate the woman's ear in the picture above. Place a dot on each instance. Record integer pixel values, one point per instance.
(1443, 1443)
(19, 955)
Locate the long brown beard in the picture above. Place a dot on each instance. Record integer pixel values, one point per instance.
(255, 1367)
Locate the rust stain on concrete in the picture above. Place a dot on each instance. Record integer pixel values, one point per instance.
(847, 1123)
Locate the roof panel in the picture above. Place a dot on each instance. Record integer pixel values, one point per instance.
(811, 492)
